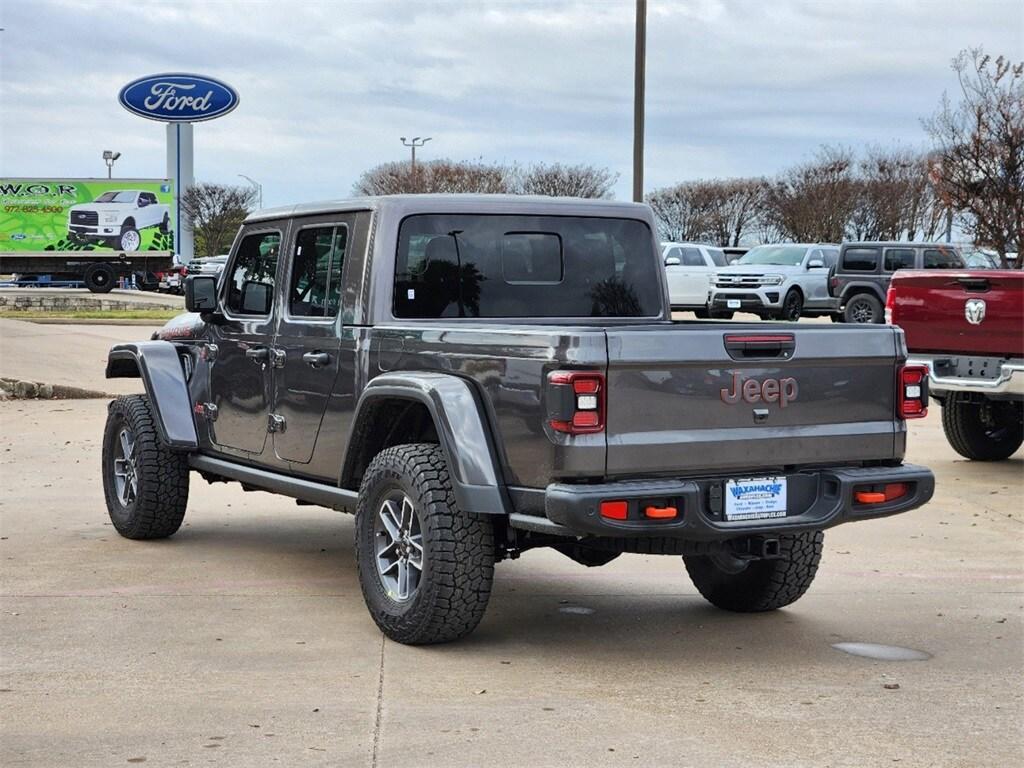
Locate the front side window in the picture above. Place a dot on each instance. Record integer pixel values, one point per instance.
(718, 257)
(899, 258)
(466, 265)
(942, 258)
(315, 287)
(860, 259)
(251, 281)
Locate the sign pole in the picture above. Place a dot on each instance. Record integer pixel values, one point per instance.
(179, 169)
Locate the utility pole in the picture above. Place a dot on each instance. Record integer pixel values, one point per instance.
(417, 141)
(639, 68)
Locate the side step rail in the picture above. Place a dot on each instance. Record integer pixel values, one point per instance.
(304, 490)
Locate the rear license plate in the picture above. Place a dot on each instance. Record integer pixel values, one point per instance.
(757, 498)
(733, 303)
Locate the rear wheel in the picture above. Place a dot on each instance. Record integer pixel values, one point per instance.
(425, 567)
(100, 278)
(983, 430)
(749, 586)
(863, 308)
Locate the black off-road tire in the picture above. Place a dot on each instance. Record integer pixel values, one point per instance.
(99, 278)
(458, 549)
(759, 585)
(863, 308)
(983, 430)
(165, 224)
(162, 475)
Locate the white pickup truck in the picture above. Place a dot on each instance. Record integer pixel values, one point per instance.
(116, 217)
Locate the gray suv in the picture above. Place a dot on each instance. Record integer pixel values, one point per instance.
(781, 282)
(861, 277)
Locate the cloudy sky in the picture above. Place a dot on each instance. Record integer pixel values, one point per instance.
(733, 87)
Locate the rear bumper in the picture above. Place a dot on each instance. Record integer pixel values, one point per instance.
(943, 376)
(816, 499)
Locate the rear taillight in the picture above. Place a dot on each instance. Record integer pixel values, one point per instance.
(912, 392)
(576, 402)
(890, 306)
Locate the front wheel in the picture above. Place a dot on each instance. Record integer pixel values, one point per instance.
(425, 567)
(749, 586)
(145, 483)
(983, 430)
(792, 306)
(129, 239)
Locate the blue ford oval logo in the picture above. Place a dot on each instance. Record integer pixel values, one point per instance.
(178, 98)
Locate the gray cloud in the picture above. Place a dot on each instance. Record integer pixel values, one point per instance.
(327, 88)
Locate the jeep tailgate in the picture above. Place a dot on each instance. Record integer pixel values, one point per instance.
(932, 309)
(826, 396)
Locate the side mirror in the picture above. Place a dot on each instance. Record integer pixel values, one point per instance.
(255, 298)
(815, 264)
(672, 261)
(200, 293)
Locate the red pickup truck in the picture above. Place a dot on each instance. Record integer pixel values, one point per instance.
(968, 328)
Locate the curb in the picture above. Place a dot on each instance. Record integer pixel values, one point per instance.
(18, 389)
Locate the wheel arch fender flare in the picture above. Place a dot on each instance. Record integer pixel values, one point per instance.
(157, 364)
(462, 431)
(852, 289)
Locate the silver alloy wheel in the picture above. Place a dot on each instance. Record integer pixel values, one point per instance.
(126, 480)
(398, 541)
(130, 240)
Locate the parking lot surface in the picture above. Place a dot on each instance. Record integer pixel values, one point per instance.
(243, 640)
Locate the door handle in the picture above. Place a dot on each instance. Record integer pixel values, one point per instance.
(316, 359)
(257, 354)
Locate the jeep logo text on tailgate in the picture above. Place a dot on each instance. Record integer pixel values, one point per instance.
(781, 391)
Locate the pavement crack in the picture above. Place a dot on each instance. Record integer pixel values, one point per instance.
(380, 705)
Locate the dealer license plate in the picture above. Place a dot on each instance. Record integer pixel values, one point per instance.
(733, 303)
(757, 498)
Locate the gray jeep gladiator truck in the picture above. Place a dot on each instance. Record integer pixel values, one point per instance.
(477, 376)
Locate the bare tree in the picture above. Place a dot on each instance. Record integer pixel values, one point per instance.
(894, 197)
(813, 202)
(216, 211)
(736, 205)
(557, 180)
(443, 176)
(683, 212)
(979, 150)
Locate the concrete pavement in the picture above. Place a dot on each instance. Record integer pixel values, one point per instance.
(243, 640)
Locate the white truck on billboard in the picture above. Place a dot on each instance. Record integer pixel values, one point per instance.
(116, 218)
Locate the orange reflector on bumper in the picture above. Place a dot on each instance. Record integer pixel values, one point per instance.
(890, 492)
(869, 497)
(614, 510)
(661, 513)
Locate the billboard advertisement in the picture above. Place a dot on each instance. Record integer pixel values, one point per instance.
(52, 215)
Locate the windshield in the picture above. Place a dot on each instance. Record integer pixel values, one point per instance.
(465, 265)
(779, 255)
(116, 197)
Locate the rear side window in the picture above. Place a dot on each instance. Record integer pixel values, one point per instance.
(718, 257)
(831, 256)
(942, 258)
(315, 287)
(691, 257)
(899, 258)
(860, 259)
(465, 265)
(251, 281)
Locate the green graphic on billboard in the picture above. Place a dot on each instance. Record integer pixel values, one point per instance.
(45, 215)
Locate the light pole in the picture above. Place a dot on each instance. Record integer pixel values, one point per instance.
(109, 158)
(417, 141)
(256, 185)
(639, 69)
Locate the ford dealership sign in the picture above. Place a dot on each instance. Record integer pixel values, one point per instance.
(178, 98)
